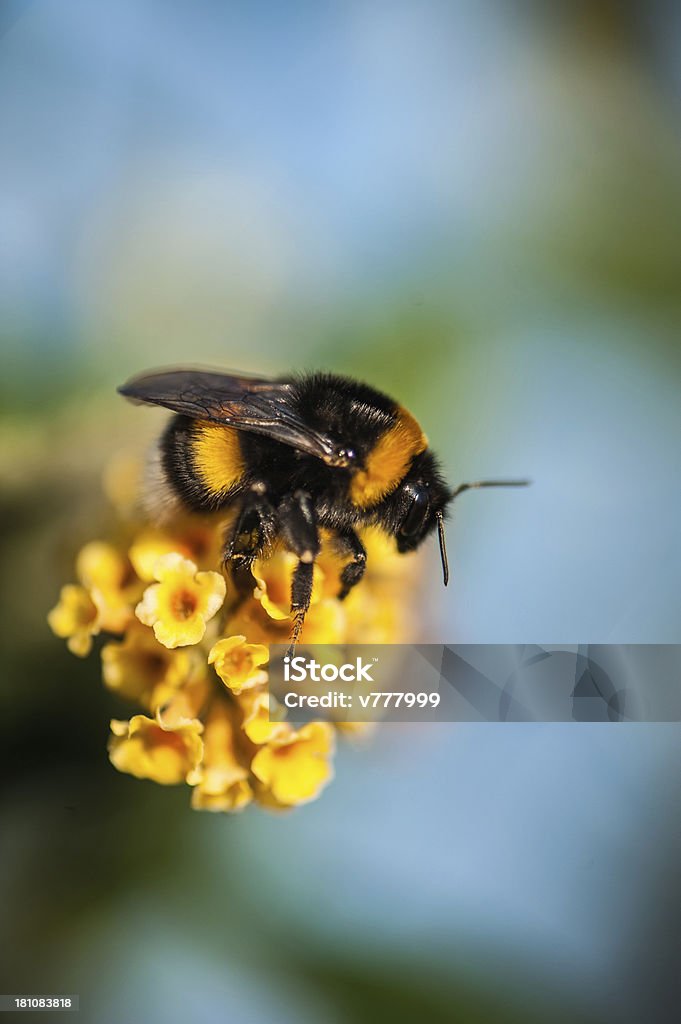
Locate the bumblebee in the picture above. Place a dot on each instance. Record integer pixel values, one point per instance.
(289, 456)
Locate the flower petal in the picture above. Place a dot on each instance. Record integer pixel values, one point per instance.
(147, 750)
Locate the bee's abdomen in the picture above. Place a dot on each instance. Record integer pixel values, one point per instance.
(203, 462)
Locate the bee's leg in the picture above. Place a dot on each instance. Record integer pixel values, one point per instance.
(348, 542)
(298, 525)
(301, 592)
(250, 535)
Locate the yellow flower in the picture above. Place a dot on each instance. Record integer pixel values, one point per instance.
(198, 543)
(75, 619)
(332, 563)
(383, 558)
(238, 663)
(147, 750)
(141, 669)
(183, 600)
(205, 542)
(384, 563)
(374, 613)
(374, 617)
(251, 620)
(273, 578)
(113, 586)
(148, 547)
(231, 743)
(180, 705)
(326, 622)
(296, 767)
(263, 717)
(265, 798)
(223, 776)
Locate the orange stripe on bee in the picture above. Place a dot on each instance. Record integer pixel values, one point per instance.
(217, 456)
(388, 461)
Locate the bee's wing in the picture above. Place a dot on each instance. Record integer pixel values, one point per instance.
(253, 404)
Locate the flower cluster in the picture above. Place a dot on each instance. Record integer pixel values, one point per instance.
(175, 642)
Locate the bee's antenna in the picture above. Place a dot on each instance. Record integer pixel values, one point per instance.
(454, 494)
(488, 483)
(443, 548)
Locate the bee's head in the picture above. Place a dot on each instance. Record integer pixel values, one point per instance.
(420, 504)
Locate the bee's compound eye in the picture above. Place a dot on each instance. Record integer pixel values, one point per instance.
(416, 514)
(343, 456)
